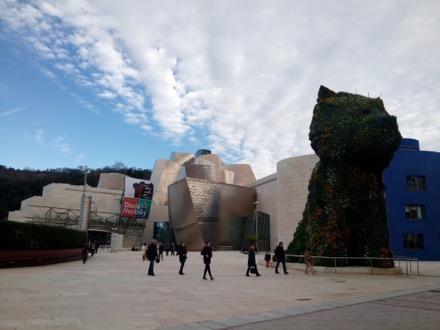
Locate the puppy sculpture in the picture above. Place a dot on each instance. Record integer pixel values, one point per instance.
(346, 212)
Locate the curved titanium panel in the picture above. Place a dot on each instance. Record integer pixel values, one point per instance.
(201, 210)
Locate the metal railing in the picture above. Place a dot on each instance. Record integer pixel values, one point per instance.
(106, 221)
(105, 246)
(407, 260)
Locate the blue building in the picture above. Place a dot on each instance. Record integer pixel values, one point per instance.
(412, 184)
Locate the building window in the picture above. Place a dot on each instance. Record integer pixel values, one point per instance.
(413, 241)
(415, 212)
(416, 183)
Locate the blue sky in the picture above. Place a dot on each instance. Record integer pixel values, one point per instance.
(98, 82)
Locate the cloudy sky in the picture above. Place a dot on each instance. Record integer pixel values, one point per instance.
(96, 82)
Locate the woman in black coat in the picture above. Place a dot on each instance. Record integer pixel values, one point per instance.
(207, 255)
(182, 257)
(252, 262)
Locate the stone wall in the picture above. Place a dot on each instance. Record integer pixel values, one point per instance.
(283, 196)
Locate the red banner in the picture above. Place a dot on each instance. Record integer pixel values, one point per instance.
(135, 207)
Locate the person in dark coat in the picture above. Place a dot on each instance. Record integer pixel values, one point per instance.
(85, 252)
(182, 257)
(152, 256)
(251, 261)
(178, 245)
(281, 258)
(207, 255)
(161, 248)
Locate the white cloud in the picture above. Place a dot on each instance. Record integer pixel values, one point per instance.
(58, 143)
(242, 75)
(11, 111)
(63, 147)
(39, 136)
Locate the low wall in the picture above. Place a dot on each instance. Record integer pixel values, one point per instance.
(10, 259)
(339, 270)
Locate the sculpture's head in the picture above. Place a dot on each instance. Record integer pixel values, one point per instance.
(353, 129)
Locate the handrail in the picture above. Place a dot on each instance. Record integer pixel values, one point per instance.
(396, 258)
(108, 221)
(105, 246)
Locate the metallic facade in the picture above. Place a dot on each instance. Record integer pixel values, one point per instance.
(202, 210)
(205, 198)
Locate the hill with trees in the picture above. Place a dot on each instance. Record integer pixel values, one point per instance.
(17, 185)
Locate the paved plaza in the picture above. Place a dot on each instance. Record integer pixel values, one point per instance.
(112, 291)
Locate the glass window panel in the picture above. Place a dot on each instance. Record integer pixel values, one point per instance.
(413, 241)
(415, 212)
(416, 183)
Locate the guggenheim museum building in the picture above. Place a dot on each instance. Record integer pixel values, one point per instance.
(196, 198)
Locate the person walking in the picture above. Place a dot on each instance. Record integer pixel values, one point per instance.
(178, 245)
(251, 261)
(207, 256)
(144, 251)
(93, 248)
(152, 256)
(85, 253)
(267, 259)
(281, 257)
(161, 248)
(182, 257)
(308, 260)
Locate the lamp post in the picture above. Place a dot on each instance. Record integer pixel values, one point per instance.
(85, 169)
(256, 223)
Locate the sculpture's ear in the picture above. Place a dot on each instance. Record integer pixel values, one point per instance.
(324, 93)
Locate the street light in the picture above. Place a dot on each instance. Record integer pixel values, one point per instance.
(86, 170)
(256, 223)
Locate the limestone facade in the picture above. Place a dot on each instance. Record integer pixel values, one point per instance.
(283, 196)
(63, 196)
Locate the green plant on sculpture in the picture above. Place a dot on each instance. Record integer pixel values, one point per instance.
(345, 215)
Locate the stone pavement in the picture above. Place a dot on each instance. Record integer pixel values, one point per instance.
(113, 291)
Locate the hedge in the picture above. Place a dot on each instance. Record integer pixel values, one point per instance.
(29, 236)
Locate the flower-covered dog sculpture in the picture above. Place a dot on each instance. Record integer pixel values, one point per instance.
(346, 213)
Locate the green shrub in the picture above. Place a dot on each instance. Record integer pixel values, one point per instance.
(251, 238)
(27, 236)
